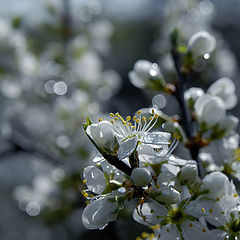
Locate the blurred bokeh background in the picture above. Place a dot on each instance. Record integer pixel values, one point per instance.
(63, 60)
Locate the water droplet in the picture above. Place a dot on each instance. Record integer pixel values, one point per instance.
(122, 190)
(206, 56)
(101, 228)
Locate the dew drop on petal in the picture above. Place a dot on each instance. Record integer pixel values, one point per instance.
(101, 228)
(206, 56)
(122, 190)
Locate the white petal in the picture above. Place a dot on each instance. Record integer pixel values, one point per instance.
(127, 147)
(156, 138)
(98, 213)
(95, 179)
(194, 230)
(168, 232)
(150, 210)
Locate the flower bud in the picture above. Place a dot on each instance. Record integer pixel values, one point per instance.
(216, 183)
(166, 195)
(143, 72)
(210, 109)
(188, 174)
(225, 89)
(103, 135)
(192, 94)
(201, 43)
(141, 177)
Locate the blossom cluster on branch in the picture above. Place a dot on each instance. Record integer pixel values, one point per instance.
(176, 198)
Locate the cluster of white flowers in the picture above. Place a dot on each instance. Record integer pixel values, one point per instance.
(176, 198)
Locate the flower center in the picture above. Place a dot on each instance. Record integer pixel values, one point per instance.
(135, 126)
(176, 216)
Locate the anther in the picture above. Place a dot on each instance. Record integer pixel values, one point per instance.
(128, 118)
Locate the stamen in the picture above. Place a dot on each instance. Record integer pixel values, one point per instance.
(128, 118)
(112, 115)
(172, 147)
(139, 112)
(100, 119)
(203, 210)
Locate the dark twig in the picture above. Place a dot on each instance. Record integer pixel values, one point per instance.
(187, 122)
(20, 144)
(186, 116)
(113, 160)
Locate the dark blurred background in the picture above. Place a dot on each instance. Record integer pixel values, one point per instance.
(62, 60)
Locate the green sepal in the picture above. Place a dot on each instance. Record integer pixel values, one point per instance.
(87, 123)
(191, 218)
(164, 222)
(179, 228)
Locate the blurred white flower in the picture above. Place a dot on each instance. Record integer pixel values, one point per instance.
(143, 71)
(225, 89)
(193, 94)
(210, 109)
(201, 43)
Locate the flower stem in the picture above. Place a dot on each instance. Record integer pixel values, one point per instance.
(113, 160)
(186, 116)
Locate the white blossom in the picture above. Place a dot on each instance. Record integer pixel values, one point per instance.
(225, 89)
(143, 71)
(210, 109)
(103, 135)
(201, 43)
